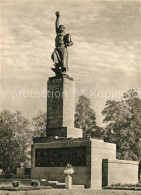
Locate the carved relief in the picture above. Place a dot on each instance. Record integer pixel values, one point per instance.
(59, 157)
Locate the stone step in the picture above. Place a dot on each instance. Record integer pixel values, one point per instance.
(53, 182)
(43, 180)
(77, 186)
(45, 183)
(56, 184)
(60, 184)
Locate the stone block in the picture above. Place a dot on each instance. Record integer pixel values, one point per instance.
(74, 133)
(51, 117)
(63, 131)
(21, 171)
(59, 116)
(55, 121)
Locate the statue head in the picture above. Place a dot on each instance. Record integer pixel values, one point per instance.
(61, 28)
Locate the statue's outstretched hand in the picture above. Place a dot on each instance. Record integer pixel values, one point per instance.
(57, 14)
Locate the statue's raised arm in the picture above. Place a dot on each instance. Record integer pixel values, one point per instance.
(60, 54)
(57, 21)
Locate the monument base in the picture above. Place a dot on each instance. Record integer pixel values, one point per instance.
(49, 159)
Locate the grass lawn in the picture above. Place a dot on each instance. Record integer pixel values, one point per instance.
(71, 192)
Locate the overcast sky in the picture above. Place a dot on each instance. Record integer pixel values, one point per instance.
(105, 57)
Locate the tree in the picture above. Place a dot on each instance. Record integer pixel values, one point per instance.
(123, 120)
(85, 118)
(98, 132)
(39, 123)
(15, 139)
(9, 151)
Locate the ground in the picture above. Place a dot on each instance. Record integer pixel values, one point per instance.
(71, 192)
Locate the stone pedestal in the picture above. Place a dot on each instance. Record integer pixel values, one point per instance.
(60, 108)
(21, 171)
(68, 182)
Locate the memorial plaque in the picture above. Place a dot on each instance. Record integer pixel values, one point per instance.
(59, 157)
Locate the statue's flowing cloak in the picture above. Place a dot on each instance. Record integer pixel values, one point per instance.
(60, 54)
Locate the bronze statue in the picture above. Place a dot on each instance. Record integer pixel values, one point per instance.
(60, 54)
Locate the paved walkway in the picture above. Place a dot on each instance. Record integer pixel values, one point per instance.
(71, 192)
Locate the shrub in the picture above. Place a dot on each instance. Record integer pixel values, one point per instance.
(15, 183)
(35, 183)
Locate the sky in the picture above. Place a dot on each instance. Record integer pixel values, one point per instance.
(104, 60)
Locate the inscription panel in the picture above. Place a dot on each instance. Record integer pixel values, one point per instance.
(59, 157)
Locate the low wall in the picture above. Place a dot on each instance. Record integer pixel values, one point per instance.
(119, 171)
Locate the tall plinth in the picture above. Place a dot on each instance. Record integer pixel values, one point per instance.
(60, 108)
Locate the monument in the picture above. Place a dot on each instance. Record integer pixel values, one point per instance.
(94, 161)
(60, 101)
